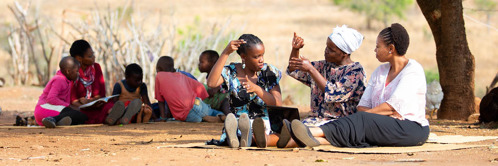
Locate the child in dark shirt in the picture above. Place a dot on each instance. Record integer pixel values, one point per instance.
(132, 93)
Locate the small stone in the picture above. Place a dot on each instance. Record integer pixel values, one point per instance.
(295, 150)
(348, 158)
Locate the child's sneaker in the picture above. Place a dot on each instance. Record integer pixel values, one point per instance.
(66, 121)
(231, 131)
(258, 127)
(116, 112)
(132, 110)
(245, 128)
(49, 122)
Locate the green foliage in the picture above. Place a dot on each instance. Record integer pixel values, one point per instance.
(378, 10)
(125, 14)
(486, 4)
(431, 76)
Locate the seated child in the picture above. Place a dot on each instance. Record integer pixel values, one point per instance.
(183, 95)
(217, 99)
(53, 108)
(132, 93)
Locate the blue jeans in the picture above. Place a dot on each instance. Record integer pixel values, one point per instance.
(200, 110)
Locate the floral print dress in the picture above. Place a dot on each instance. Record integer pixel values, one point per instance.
(343, 91)
(249, 103)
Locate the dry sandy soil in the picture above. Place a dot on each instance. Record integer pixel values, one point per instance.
(137, 144)
(274, 22)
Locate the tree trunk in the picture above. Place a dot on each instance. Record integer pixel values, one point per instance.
(455, 62)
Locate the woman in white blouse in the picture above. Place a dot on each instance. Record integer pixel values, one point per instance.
(391, 111)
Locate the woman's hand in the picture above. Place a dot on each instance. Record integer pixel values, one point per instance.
(249, 85)
(297, 42)
(396, 115)
(83, 100)
(302, 64)
(233, 46)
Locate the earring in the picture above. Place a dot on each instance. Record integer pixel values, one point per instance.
(389, 52)
(243, 64)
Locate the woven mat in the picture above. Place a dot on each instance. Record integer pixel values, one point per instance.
(428, 147)
(453, 139)
(204, 146)
(41, 127)
(328, 148)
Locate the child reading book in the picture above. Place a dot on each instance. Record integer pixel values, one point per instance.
(53, 106)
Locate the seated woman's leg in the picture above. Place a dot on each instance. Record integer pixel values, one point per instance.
(366, 129)
(386, 131)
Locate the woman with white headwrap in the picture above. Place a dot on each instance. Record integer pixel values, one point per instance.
(337, 83)
(391, 111)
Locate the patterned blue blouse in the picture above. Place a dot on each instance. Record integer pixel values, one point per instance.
(243, 102)
(344, 88)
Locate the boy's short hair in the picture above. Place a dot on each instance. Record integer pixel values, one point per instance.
(212, 55)
(133, 69)
(166, 63)
(78, 48)
(68, 62)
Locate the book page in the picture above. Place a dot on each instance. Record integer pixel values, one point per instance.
(104, 99)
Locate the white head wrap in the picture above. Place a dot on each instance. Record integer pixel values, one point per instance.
(346, 39)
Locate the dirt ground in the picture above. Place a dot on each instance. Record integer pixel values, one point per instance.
(137, 144)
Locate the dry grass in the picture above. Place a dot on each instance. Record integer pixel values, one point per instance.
(275, 21)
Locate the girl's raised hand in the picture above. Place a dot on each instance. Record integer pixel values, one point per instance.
(297, 42)
(233, 46)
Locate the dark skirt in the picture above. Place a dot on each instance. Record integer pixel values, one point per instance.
(364, 129)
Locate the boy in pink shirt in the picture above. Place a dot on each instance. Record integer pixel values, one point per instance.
(53, 105)
(183, 95)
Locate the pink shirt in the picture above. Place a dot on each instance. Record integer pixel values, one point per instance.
(179, 91)
(405, 93)
(57, 91)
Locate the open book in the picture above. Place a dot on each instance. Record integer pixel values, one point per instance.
(104, 99)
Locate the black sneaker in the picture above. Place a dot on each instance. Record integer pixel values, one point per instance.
(303, 134)
(66, 121)
(49, 122)
(231, 131)
(285, 134)
(258, 128)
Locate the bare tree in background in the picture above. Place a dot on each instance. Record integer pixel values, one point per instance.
(25, 40)
(118, 38)
(455, 61)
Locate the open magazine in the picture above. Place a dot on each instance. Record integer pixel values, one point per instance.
(104, 99)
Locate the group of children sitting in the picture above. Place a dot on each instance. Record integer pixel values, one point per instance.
(179, 95)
